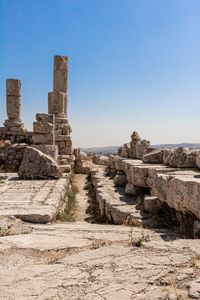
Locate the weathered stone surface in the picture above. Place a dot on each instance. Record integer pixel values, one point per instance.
(151, 204)
(90, 262)
(124, 151)
(41, 139)
(120, 180)
(135, 136)
(43, 127)
(101, 160)
(154, 157)
(49, 118)
(51, 150)
(13, 87)
(64, 138)
(13, 104)
(36, 164)
(12, 226)
(180, 157)
(137, 148)
(116, 207)
(60, 73)
(56, 102)
(35, 201)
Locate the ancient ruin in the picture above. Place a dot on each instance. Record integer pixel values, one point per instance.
(59, 208)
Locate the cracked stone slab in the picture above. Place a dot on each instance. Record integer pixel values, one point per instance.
(90, 261)
(35, 201)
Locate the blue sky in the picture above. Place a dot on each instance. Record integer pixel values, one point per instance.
(133, 65)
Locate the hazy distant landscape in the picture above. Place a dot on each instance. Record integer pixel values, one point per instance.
(113, 149)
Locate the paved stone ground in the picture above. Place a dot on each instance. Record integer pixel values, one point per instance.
(34, 201)
(83, 261)
(90, 261)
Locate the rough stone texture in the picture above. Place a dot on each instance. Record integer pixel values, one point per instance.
(154, 157)
(180, 157)
(124, 151)
(135, 136)
(13, 105)
(81, 165)
(51, 150)
(11, 156)
(43, 127)
(48, 118)
(115, 206)
(56, 102)
(179, 188)
(12, 226)
(36, 164)
(60, 74)
(93, 262)
(35, 201)
(43, 139)
(100, 160)
(137, 148)
(13, 87)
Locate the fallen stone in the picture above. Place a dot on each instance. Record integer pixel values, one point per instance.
(135, 136)
(100, 160)
(154, 157)
(180, 157)
(36, 164)
(131, 189)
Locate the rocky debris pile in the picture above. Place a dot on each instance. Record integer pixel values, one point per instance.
(37, 165)
(100, 160)
(153, 157)
(135, 148)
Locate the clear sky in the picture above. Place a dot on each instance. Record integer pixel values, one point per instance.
(133, 65)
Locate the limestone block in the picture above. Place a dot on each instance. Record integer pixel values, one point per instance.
(51, 150)
(141, 147)
(49, 118)
(12, 123)
(47, 139)
(13, 105)
(60, 74)
(36, 164)
(181, 158)
(43, 127)
(63, 138)
(154, 157)
(60, 81)
(66, 151)
(60, 63)
(56, 102)
(13, 87)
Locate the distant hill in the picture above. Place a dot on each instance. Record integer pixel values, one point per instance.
(114, 149)
(101, 150)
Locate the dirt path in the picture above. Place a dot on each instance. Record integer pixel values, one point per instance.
(81, 197)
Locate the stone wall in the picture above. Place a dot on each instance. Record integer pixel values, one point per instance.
(11, 156)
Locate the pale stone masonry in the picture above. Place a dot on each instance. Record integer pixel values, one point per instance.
(50, 130)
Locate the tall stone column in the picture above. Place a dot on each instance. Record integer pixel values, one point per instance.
(13, 99)
(13, 105)
(60, 77)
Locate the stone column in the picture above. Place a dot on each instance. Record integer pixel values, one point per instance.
(13, 99)
(13, 104)
(60, 77)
